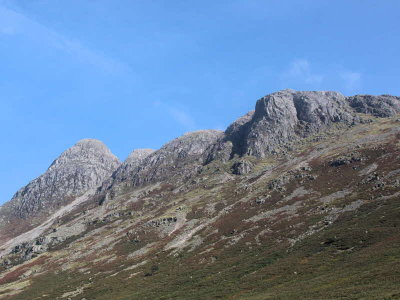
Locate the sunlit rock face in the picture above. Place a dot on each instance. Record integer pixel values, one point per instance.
(82, 167)
(379, 106)
(284, 116)
(182, 157)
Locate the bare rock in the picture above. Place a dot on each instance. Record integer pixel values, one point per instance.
(378, 106)
(83, 166)
(346, 159)
(242, 167)
(285, 116)
(182, 157)
(127, 169)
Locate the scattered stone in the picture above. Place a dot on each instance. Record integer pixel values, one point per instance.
(162, 222)
(242, 167)
(345, 159)
(260, 201)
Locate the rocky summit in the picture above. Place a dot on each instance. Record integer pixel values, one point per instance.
(77, 170)
(298, 199)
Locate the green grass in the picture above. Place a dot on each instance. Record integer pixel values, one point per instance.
(342, 262)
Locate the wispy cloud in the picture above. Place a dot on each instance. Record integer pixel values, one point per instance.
(183, 118)
(178, 115)
(352, 80)
(300, 74)
(300, 70)
(15, 23)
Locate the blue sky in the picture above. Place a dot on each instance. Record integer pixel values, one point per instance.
(136, 74)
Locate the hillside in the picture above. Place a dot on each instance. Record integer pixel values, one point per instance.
(298, 199)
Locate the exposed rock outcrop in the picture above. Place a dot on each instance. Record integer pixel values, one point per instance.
(282, 117)
(232, 141)
(182, 156)
(287, 115)
(127, 169)
(187, 151)
(137, 156)
(122, 176)
(242, 167)
(378, 106)
(83, 166)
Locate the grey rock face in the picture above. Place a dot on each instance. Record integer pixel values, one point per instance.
(137, 156)
(232, 140)
(129, 166)
(284, 116)
(236, 127)
(242, 167)
(182, 156)
(83, 166)
(238, 130)
(186, 151)
(126, 170)
(379, 106)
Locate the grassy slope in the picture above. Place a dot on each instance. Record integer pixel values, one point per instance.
(342, 262)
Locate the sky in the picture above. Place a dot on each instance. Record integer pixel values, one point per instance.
(136, 74)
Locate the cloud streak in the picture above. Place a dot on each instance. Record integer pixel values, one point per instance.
(13, 23)
(178, 115)
(182, 118)
(300, 70)
(352, 80)
(300, 74)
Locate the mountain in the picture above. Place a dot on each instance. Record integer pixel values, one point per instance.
(298, 199)
(77, 170)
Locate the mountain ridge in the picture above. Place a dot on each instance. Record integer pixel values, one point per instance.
(278, 119)
(281, 181)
